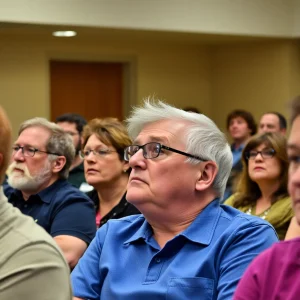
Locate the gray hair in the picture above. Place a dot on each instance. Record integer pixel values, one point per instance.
(59, 142)
(203, 137)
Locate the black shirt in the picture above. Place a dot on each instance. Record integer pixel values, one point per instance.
(122, 209)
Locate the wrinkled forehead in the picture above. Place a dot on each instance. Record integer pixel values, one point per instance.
(269, 118)
(35, 136)
(163, 131)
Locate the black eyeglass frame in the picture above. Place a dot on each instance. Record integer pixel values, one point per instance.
(161, 146)
(248, 157)
(31, 148)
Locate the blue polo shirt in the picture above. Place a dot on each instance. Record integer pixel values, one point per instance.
(60, 209)
(236, 153)
(205, 261)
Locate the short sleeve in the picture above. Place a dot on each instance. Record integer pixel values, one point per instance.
(76, 217)
(33, 272)
(86, 278)
(249, 286)
(247, 242)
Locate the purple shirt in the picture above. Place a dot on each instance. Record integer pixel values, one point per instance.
(274, 274)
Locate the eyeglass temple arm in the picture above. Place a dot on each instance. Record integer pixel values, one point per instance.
(182, 153)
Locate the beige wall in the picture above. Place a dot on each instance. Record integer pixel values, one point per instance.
(258, 77)
(239, 17)
(179, 74)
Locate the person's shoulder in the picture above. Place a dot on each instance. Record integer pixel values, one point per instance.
(25, 232)
(279, 253)
(123, 226)
(65, 191)
(239, 218)
(284, 203)
(29, 270)
(128, 220)
(284, 247)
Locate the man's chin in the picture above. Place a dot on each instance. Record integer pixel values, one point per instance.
(19, 182)
(135, 197)
(16, 175)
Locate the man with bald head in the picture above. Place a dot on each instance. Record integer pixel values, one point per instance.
(31, 265)
(272, 122)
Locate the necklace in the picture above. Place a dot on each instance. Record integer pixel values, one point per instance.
(263, 215)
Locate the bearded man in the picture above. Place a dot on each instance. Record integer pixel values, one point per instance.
(41, 159)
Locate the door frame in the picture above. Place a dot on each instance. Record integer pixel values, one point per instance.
(129, 88)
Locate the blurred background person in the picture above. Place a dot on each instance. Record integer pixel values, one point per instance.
(104, 141)
(73, 124)
(272, 122)
(262, 190)
(275, 273)
(30, 262)
(241, 126)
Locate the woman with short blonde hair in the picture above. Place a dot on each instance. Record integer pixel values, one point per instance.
(104, 141)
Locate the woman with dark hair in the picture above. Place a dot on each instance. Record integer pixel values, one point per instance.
(104, 141)
(262, 189)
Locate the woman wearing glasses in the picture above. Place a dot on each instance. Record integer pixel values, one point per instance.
(262, 189)
(104, 141)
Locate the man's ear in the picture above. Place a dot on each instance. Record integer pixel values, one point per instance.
(207, 176)
(58, 164)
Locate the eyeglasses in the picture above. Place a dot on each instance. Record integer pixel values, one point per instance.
(153, 150)
(29, 151)
(99, 152)
(266, 153)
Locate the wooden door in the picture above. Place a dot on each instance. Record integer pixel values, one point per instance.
(91, 89)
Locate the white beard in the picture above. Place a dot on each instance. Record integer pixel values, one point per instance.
(25, 181)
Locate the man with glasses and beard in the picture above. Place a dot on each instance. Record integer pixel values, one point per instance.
(184, 245)
(41, 159)
(31, 265)
(73, 124)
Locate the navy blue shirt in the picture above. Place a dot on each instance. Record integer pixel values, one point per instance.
(236, 153)
(60, 209)
(205, 261)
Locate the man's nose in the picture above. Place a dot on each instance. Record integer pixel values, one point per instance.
(137, 160)
(18, 155)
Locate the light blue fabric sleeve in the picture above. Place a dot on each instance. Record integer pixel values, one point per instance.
(245, 244)
(86, 277)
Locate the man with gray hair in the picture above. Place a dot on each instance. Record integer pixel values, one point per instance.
(41, 159)
(185, 245)
(31, 265)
